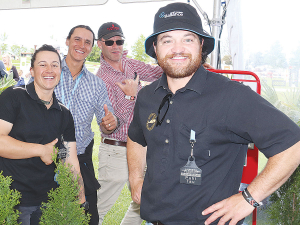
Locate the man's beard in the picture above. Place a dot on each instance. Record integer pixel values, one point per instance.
(176, 70)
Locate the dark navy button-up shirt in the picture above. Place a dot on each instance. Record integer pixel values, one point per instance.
(226, 116)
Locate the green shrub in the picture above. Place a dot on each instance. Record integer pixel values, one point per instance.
(6, 82)
(8, 200)
(285, 202)
(63, 206)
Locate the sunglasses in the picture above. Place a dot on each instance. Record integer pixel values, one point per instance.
(165, 100)
(111, 42)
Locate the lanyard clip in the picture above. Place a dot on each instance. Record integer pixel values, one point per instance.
(192, 141)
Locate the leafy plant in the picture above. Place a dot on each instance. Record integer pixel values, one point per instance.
(8, 200)
(285, 202)
(6, 82)
(63, 206)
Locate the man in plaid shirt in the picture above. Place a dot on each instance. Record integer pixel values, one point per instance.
(122, 77)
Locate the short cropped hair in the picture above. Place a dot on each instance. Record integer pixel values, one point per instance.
(45, 47)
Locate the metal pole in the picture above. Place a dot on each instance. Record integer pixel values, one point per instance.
(216, 23)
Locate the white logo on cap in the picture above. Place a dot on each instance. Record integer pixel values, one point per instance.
(171, 14)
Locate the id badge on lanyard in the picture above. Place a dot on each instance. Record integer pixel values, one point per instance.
(191, 173)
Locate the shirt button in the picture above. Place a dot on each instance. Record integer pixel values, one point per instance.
(166, 141)
(171, 102)
(168, 121)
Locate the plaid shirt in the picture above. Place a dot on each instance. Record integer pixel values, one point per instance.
(123, 107)
(88, 99)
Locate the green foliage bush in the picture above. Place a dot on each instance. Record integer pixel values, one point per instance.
(6, 82)
(285, 202)
(63, 206)
(8, 200)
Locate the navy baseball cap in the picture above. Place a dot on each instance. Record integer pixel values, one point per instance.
(178, 16)
(109, 30)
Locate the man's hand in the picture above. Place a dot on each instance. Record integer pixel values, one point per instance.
(46, 154)
(208, 67)
(129, 86)
(136, 190)
(234, 208)
(109, 121)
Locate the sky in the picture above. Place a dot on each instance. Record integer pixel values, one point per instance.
(263, 22)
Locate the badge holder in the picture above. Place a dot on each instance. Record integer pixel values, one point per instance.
(191, 173)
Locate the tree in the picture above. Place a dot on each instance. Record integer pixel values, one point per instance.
(138, 50)
(3, 46)
(17, 50)
(94, 56)
(295, 58)
(227, 60)
(256, 59)
(275, 56)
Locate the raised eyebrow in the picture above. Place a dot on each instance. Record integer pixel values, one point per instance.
(190, 34)
(164, 37)
(41, 62)
(55, 62)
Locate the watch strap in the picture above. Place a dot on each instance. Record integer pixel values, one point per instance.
(130, 97)
(247, 196)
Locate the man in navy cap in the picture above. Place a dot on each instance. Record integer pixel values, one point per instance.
(197, 125)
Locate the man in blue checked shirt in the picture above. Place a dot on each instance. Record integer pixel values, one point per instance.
(85, 95)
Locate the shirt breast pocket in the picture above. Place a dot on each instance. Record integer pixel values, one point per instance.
(201, 149)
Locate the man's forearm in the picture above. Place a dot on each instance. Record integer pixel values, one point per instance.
(12, 148)
(136, 158)
(278, 169)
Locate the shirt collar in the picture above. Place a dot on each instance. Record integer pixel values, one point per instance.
(65, 67)
(196, 83)
(32, 93)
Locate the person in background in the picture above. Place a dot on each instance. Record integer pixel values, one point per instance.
(10, 68)
(121, 76)
(32, 122)
(21, 80)
(85, 95)
(197, 126)
(2, 70)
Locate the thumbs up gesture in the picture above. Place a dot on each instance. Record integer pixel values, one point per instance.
(109, 121)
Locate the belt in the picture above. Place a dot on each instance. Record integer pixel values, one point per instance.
(114, 142)
(157, 223)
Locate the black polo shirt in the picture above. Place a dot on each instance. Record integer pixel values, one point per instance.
(226, 116)
(33, 123)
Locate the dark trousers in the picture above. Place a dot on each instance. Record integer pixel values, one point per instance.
(91, 185)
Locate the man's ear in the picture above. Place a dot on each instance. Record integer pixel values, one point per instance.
(154, 47)
(99, 44)
(67, 42)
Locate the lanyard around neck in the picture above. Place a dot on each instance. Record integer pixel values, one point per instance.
(73, 90)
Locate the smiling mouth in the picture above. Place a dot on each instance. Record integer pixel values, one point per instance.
(81, 52)
(49, 78)
(179, 57)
